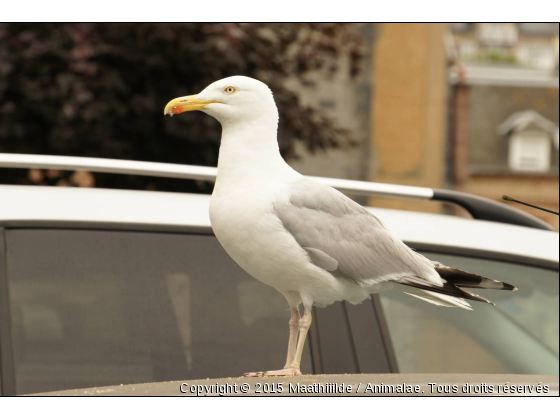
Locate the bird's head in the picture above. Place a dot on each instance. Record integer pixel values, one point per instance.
(232, 99)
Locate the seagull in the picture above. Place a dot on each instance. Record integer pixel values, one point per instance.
(307, 240)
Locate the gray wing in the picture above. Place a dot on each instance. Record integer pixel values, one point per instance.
(345, 239)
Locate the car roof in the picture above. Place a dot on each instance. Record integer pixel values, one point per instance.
(480, 208)
(96, 208)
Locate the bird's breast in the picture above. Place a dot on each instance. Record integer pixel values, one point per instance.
(246, 226)
(241, 217)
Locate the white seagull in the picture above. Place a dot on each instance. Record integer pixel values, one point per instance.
(307, 240)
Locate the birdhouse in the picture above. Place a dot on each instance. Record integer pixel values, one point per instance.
(530, 139)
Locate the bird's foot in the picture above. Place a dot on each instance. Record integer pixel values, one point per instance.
(289, 371)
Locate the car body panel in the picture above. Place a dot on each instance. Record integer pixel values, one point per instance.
(43, 207)
(30, 206)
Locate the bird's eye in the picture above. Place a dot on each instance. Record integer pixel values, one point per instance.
(230, 90)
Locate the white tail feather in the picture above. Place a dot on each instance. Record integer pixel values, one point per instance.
(439, 299)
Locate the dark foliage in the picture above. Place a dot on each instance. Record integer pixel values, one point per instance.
(98, 90)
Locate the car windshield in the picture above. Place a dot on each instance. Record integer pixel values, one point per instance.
(518, 335)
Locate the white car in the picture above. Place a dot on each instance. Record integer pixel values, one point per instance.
(102, 287)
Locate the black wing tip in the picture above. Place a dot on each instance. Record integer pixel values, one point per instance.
(510, 287)
(463, 278)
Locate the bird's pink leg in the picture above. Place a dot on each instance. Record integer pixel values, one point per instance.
(295, 351)
(294, 330)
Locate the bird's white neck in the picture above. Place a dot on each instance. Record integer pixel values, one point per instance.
(249, 152)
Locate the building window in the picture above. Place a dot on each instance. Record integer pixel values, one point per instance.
(498, 34)
(468, 50)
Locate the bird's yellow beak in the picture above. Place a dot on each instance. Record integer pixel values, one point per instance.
(184, 104)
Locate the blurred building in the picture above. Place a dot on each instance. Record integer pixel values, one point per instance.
(504, 113)
(409, 109)
(533, 45)
(346, 100)
(472, 107)
(395, 109)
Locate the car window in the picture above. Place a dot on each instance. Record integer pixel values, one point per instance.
(519, 335)
(94, 308)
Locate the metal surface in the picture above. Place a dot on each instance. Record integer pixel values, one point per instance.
(7, 374)
(352, 337)
(47, 207)
(95, 208)
(478, 207)
(369, 344)
(113, 166)
(315, 346)
(485, 209)
(201, 173)
(508, 198)
(332, 385)
(385, 334)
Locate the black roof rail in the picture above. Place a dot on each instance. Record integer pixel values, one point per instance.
(484, 209)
